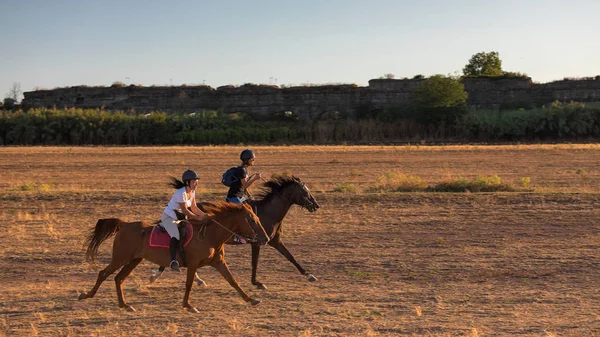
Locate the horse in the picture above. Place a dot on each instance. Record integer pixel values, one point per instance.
(130, 247)
(272, 205)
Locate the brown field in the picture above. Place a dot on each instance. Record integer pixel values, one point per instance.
(389, 264)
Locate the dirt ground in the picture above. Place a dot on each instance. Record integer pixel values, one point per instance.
(389, 264)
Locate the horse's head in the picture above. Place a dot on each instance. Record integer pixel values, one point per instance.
(300, 195)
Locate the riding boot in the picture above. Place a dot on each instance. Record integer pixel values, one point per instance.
(182, 254)
(173, 246)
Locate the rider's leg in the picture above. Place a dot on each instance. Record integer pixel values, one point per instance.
(173, 247)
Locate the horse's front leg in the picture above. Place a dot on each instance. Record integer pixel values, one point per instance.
(255, 254)
(189, 282)
(220, 265)
(278, 244)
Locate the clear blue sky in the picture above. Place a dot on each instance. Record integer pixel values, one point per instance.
(50, 43)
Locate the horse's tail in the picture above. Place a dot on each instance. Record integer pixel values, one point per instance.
(104, 229)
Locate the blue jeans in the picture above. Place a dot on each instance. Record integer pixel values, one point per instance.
(236, 200)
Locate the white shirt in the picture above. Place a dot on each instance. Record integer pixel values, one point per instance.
(178, 197)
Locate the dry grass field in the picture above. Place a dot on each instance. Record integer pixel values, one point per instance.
(523, 263)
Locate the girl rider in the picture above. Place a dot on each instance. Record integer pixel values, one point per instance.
(183, 202)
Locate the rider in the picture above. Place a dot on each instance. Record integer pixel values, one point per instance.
(181, 205)
(238, 191)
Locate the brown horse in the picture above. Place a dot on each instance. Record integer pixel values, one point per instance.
(206, 247)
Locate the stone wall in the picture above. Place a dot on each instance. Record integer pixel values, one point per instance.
(262, 101)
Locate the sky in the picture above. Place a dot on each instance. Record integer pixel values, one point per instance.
(56, 43)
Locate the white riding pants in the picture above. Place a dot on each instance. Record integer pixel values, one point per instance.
(170, 225)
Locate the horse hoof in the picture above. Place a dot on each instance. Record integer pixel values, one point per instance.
(129, 308)
(311, 278)
(255, 302)
(82, 296)
(193, 310)
(201, 283)
(261, 286)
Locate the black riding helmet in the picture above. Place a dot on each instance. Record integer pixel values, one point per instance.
(246, 155)
(188, 176)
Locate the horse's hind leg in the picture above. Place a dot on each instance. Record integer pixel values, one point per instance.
(102, 275)
(200, 282)
(278, 244)
(119, 281)
(157, 274)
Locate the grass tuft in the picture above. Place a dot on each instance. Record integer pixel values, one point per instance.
(30, 186)
(398, 182)
(478, 184)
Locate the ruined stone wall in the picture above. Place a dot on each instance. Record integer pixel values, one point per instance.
(261, 101)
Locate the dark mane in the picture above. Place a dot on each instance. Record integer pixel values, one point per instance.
(274, 187)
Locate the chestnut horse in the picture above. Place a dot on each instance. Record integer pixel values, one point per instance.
(206, 247)
(272, 205)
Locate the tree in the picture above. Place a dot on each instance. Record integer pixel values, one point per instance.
(9, 103)
(440, 98)
(484, 64)
(14, 93)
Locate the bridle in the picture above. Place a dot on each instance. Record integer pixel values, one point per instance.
(307, 203)
(252, 238)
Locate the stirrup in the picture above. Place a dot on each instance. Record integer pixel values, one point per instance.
(174, 265)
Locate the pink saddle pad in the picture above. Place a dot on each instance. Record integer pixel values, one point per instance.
(161, 239)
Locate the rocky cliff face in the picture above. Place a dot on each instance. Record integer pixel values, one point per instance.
(262, 101)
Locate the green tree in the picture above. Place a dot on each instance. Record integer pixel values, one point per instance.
(9, 103)
(440, 98)
(484, 64)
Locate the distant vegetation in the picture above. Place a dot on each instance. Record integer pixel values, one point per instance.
(556, 122)
(438, 113)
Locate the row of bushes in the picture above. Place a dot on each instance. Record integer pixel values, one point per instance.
(398, 182)
(557, 122)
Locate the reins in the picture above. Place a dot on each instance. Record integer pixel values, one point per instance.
(232, 232)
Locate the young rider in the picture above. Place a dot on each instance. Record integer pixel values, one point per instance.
(183, 202)
(238, 190)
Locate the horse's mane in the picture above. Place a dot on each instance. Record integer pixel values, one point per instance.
(224, 207)
(274, 187)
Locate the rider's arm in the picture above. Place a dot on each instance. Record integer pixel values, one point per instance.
(190, 213)
(246, 182)
(196, 210)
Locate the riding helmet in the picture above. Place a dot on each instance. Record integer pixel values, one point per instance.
(246, 155)
(189, 175)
